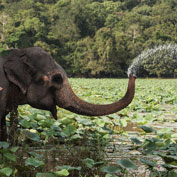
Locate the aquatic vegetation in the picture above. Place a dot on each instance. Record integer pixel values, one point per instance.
(76, 145)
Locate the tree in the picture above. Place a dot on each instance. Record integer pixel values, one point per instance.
(89, 37)
(3, 23)
(84, 56)
(26, 26)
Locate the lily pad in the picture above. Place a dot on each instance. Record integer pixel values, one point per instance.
(4, 144)
(89, 162)
(62, 172)
(34, 162)
(10, 156)
(31, 135)
(68, 167)
(147, 129)
(6, 171)
(136, 140)
(126, 163)
(111, 169)
(147, 162)
(45, 175)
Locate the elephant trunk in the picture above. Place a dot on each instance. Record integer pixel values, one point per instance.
(66, 98)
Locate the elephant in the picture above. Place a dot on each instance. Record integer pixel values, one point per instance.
(31, 76)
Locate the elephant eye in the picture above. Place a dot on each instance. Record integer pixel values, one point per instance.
(57, 79)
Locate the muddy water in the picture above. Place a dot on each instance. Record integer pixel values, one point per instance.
(121, 146)
(132, 127)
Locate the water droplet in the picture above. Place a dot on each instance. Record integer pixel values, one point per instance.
(159, 53)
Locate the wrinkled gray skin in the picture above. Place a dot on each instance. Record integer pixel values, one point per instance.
(31, 76)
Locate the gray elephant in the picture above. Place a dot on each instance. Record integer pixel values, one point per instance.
(31, 76)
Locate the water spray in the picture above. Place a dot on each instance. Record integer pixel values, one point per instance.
(153, 56)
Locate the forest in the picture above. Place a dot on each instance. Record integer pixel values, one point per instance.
(92, 38)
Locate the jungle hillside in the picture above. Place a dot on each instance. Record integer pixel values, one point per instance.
(92, 38)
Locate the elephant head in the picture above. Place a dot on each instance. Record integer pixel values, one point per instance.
(43, 84)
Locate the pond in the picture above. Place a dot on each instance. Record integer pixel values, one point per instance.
(145, 130)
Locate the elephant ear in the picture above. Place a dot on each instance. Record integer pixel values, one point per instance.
(18, 71)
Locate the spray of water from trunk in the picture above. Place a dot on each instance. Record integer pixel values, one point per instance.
(149, 60)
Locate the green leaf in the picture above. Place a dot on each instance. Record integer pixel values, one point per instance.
(147, 129)
(114, 116)
(100, 122)
(123, 122)
(147, 162)
(172, 174)
(10, 156)
(45, 175)
(47, 123)
(62, 172)
(89, 162)
(66, 121)
(36, 155)
(4, 144)
(174, 135)
(135, 140)
(76, 136)
(126, 163)
(111, 169)
(24, 123)
(84, 121)
(33, 162)
(68, 167)
(169, 159)
(110, 175)
(168, 167)
(39, 117)
(98, 163)
(69, 130)
(31, 135)
(14, 149)
(6, 171)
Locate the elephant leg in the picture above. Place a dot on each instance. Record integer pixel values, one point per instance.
(3, 113)
(13, 127)
(54, 112)
(3, 129)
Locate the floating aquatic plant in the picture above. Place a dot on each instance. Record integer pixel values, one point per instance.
(161, 60)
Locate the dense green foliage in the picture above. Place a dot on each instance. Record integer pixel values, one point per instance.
(75, 145)
(89, 37)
